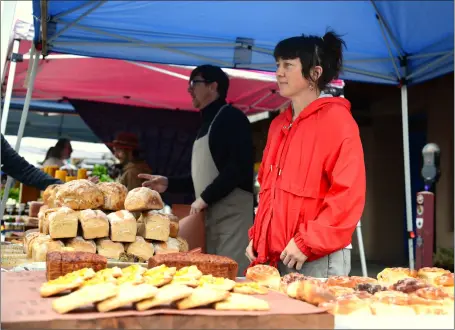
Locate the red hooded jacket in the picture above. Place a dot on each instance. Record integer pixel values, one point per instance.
(312, 180)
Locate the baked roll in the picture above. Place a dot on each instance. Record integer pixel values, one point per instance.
(111, 250)
(265, 275)
(63, 223)
(288, 279)
(390, 276)
(153, 225)
(123, 226)
(143, 199)
(80, 195)
(114, 195)
(428, 274)
(94, 223)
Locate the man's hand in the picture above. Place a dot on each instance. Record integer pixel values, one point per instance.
(198, 205)
(292, 256)
(155, 182)
(249, 252)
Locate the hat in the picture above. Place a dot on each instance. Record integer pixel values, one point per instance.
(125, 140)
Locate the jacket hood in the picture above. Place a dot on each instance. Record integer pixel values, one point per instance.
(319, 104)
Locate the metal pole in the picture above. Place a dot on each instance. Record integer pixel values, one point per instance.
(8, 13)
(9, 87)
(363, 260)
(20, 132)
(407, 171)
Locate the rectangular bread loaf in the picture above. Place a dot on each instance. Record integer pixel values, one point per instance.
(62, 263)
(208, 264)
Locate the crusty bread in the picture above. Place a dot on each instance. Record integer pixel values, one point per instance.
(63, 223)
(208, 264)
(172, 245)
(29, 237)
(183, 244)
(265, 275)
(94, 223)
(41, 247)
(49, 195)
(81, 245)
(111, 250)
(43, 220)
(141, 248)
(143, 199)
(80, 195)
(114, 195)
(123, 226)
(62, 263)
(153, 225)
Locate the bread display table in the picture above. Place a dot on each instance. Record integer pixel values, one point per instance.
(23, 308)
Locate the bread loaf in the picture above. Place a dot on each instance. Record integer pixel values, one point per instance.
(42, 246)
(49, 195)
(183, 244)
(81, 245)
(143, 199)
(154, 226)
(62, 263)
(109, 249)
(63, 223)
(34, 209)
(174, 226)
(114, 195)
(172, 245)
(208, 264)
(94, 224)
(141, 248)
(123, 226)
(80, 195)
(43, 219)
(28, 242)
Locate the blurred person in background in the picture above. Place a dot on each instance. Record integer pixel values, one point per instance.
(58, 154)
(126, 150)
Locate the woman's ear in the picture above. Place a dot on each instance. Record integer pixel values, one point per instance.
(316, 73)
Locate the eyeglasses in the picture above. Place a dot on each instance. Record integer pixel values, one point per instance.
(193, 82)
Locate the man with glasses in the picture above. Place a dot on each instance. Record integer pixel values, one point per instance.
(221, 167)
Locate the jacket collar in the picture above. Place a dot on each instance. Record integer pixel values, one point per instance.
(210, 111)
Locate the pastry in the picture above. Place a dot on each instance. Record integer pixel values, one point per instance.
(165, 295)
(172, 245)
(66, 282)
(265, 275)
(219, 283)
(79, 195)
(287, 279)
(250, 288)
(202, 297)
(126, 295)
(241, 302)
(428, 274)
(390, 276)
(143, 199)
(114, 195)
(84, 296)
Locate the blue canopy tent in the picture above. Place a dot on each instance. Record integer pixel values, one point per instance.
(388, 42)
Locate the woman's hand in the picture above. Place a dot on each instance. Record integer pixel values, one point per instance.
(292, 256)
(249, 252)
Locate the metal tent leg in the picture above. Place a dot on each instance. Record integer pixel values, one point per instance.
(407, 171)
(9, 87)
(20, 132)
(8, 14)
(363, 261)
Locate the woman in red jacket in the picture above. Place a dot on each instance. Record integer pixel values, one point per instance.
(312, 175)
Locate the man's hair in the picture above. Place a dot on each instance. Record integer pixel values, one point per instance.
(212, 73)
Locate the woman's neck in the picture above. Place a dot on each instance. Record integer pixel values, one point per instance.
(301, 101)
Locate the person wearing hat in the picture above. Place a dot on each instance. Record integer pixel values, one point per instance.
(222, 167)
(126, 150)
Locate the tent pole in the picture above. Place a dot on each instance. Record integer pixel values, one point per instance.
(407, 171)
(9, 86)
(20, 132)
(363, 261)
(8, 14)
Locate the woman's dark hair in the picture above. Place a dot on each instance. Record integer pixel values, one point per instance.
(56, 151)
(326, 52)
(50, 153)
(212, 73)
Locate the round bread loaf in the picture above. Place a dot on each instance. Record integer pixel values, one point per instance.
(114, 195)
(80, 195)
(49, 195)
(143, 199)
